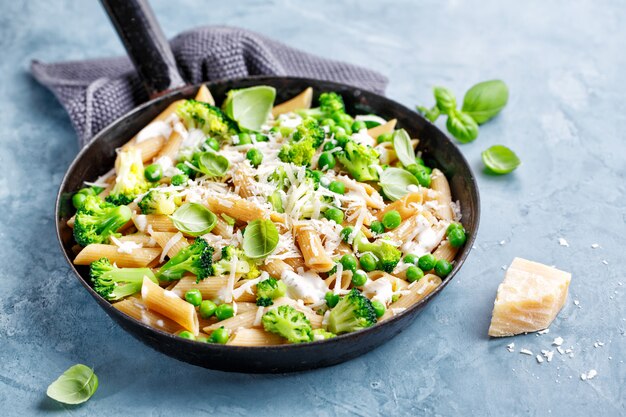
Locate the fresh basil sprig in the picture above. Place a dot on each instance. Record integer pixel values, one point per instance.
(481, 103)
(260, 239)
(395, 182)
(75, 386)
(212, 164)
(485, 100)
(403, 147)
(193, 219)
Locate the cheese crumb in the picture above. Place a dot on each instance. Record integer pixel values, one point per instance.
(605, 262)
(558, 341)
(595, 246)
(511, 347)
(526, 352)
(560, 349)
(563, 242)
(539, 358)
(589, 375)
(502, 242)
(545, 331)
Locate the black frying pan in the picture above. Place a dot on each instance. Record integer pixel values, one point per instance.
(155, 64)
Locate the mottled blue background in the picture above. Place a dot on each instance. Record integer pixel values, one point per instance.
(564, 63)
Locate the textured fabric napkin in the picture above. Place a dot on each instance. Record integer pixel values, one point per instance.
(96, 92)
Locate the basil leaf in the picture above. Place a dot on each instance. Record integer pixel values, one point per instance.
(485, 100)
(260, 239)
(394, 182)
(431, 114)
(250, 107)
(500, 160)
(194, 219)
(212, 164)
(403, 148)
(446, 102)
(462, 126)
(75, 386)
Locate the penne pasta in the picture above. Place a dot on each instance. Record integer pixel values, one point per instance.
(136, 309)
(138, 258)
(299, 102)
(154, 222)
(237, 208)
(446, 251)
(310, 244)
(205, 95)
(243, 179)
(240, 320)
(417, 292)
(407, 206)
(150, 148)
(276, 267)
(444, 197)
(174, 242)
(139, 238)
(170, 305)
(255, 337)
(388, 127)
(211, 288)
(171, 146)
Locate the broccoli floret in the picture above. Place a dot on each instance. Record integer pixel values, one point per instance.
(289, 323)
(210, 119)
(245, 266)
(268, 290)
(97, 220)
(388, 255)
(130, 180)
(279, 178)
(353, 312)
(309, 129)
(115, 283)
(321, 334)
(196, 259)
(359, 161)
(298, 153)
(159, 202)
(331, 103)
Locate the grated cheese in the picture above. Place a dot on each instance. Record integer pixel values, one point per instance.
(169, 245)
(127, 246)
(259, 316)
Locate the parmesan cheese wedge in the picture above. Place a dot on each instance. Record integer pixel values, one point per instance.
(301, 101)
(528, 299)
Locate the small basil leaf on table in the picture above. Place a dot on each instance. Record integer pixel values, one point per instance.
(75, 386)
(212, 164)
(194, 219)
(446, 102)
(431, 114)
(260, 239)
(250, 107)
(462, 126)
(485, 100)
(395, 181)
(500, 160)
(403, 148)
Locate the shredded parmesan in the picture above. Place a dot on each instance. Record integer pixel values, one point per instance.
(169, 245)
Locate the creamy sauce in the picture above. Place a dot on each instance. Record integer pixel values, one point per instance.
(379, 290)
(307, 286)
(363, 138)
(153, 130)
(193, 139)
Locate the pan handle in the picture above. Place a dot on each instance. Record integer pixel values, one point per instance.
(146, 44)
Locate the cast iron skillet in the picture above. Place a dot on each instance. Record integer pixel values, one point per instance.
(155, 64)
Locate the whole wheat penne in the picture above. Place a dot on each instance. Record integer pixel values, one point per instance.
(171, 146)
(370, 195)
(406, 206)
(138, 258)
(173, 241)
(135, 308)
(388, 127)
(205, 95)
(170, 305)
(240, 320)
(237, 208)
(276, 267)
(139, 238)
(255, 337)
(243, 179)
(154, 222)
(299, 102)
(446, 251)
(211, 288)
(397, 283)
(440, 183)
(418, 291)
(310, 244)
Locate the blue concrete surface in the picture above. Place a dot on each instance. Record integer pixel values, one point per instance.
(564, 63)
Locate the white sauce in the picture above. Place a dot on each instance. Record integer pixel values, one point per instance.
(167, 165)
(307, 286)
(193, 139)
(379, 290)
(289, 120)
(363, 138)
(153, 130)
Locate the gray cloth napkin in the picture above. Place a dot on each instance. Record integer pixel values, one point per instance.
(96, 92)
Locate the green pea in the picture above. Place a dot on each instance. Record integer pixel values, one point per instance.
(328, 146)
(180, 179)
(337, 187)
(224, 311)
(340, 117)
(419, 161)
(185, 169)
(345, 233)
(413, 273)
(358, 125)
(207, 309)
(456, 237)
(411, 259)
(261, 137)
(254, 156)
(187, 335)
(193, 297)
(153, 172)
(420, 173)
(443, 268)
(368, 262)
(349, 262)
(392, 219)
(342, 139)
(331, 299)
(384, 137)
(274, 130)
(316, 174)
(347, 126)
(244, 139)
(334, 214)
(328, 122)
(213, 144)
(220, 335)
(427, 262)
(377, 227)
(78, 200)
(326, 161)
(359, 278)
(337, 130)
(379, 308)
